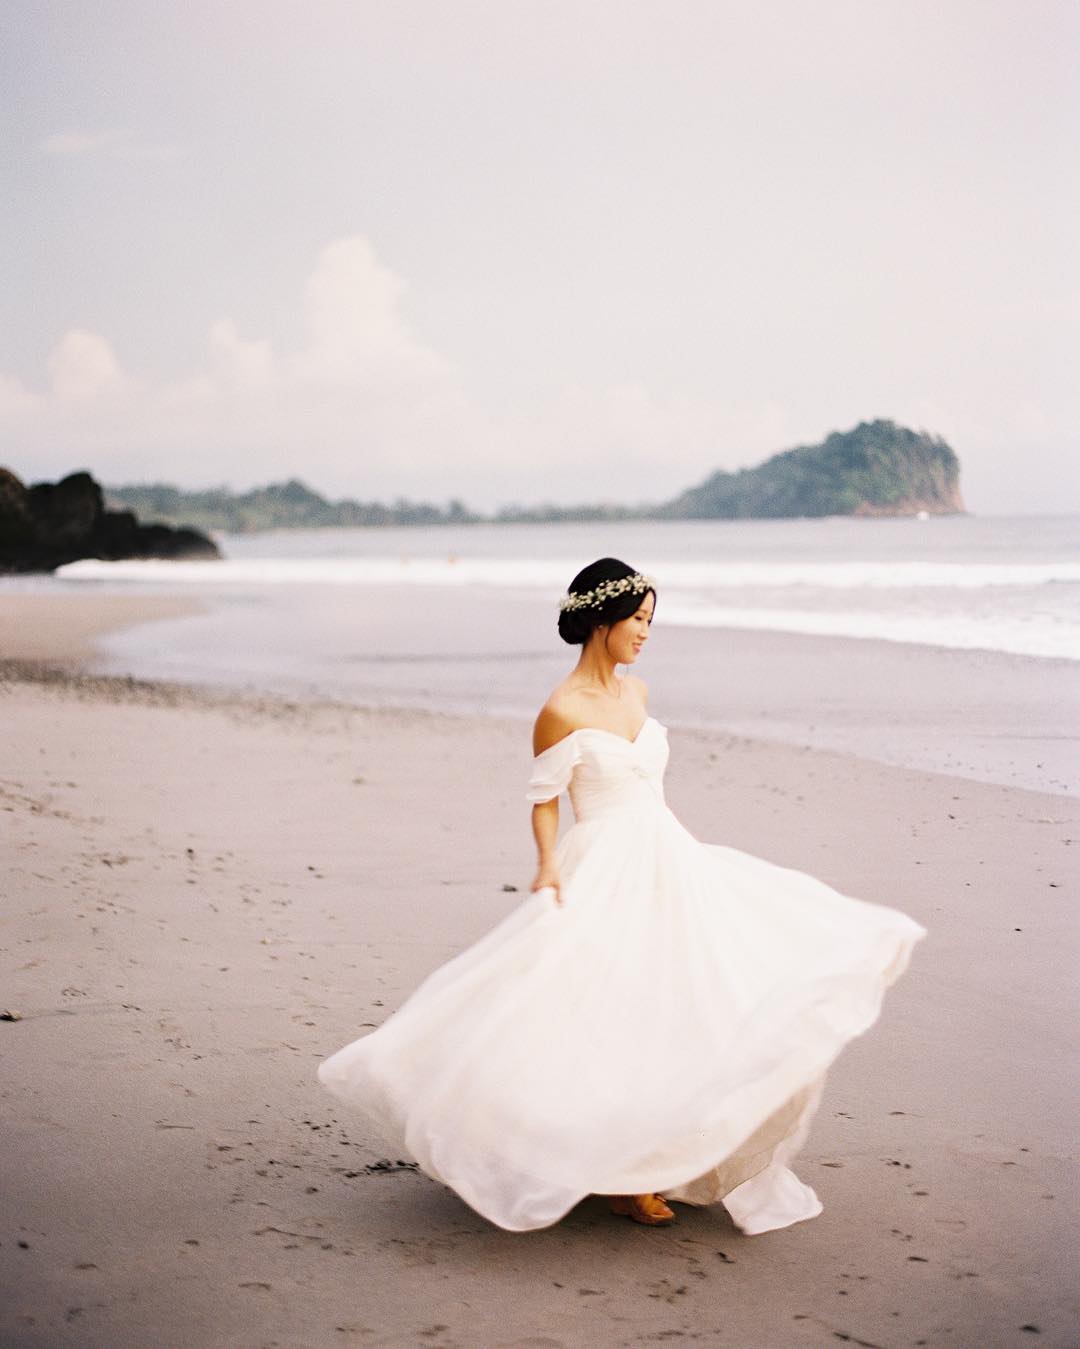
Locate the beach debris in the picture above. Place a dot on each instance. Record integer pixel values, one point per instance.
(10, 1014)
(727, 1259)
(666, 1291)
(384, 1166)
(285, 1232)
(509, 889)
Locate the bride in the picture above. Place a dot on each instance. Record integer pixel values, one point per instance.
(654, 1023)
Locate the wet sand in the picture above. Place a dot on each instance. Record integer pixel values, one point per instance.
(206, 893)
(984, 715)
(63, 626)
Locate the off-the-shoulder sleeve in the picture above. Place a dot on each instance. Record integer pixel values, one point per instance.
(552, 770)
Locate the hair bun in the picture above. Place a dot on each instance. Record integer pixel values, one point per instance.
(575, 626)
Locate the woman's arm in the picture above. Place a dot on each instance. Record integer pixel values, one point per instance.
(545, 826)
(551, 726)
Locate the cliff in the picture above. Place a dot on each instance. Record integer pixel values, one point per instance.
(49, 524)
(878, 468)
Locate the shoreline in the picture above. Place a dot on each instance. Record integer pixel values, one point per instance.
(978, 716)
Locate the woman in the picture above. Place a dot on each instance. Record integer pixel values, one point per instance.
(658, 1016)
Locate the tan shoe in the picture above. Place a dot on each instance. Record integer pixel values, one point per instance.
(650, 1209)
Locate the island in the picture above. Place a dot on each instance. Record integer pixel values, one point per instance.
(878, 468)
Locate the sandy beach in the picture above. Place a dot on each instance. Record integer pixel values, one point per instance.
(205, 893)
(67, 627)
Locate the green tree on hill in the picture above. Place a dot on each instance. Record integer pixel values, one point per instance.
(878, 468)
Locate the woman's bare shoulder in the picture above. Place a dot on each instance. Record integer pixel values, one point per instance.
(569, 709)
(558, 718)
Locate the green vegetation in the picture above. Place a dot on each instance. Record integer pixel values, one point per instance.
(878, 468)
(284, 505)
(293, 505)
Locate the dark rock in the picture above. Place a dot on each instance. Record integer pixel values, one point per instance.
(65, 513)
(44, 526)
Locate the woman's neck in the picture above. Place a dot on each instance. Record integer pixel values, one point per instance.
(597, 667)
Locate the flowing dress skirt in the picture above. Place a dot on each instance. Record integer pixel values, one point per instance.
(668, 1028)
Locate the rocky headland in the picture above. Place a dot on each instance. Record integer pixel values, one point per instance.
(46, 525)
(878, 468)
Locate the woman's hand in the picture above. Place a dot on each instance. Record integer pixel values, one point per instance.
(547, 878)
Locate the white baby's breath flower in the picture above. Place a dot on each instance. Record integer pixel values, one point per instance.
(606, 590)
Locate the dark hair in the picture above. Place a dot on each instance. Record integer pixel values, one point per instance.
(576, 625)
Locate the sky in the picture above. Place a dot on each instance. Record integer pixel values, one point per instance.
(537, 250)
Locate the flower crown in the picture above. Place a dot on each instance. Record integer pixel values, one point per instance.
(606, 590)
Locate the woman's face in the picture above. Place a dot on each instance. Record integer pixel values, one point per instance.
(626, 638)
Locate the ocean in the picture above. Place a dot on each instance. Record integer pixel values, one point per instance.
(959, 581)
(893, 637)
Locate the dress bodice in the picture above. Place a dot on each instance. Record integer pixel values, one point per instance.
(603, 771)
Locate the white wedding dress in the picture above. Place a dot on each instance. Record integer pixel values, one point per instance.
(667, 1028)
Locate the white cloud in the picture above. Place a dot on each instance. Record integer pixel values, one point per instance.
(17, 402)
(354, 324)
(359, 402)
(117, 143)
(236, 363)
(84, 366)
